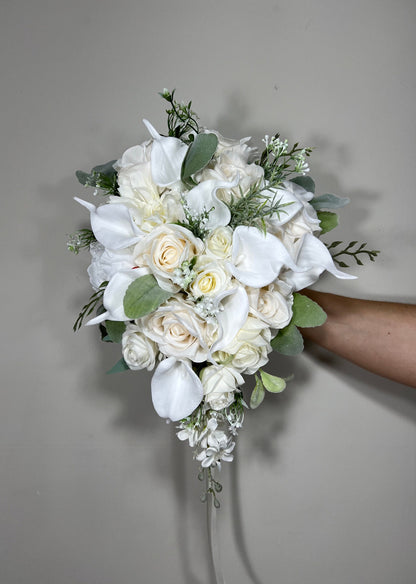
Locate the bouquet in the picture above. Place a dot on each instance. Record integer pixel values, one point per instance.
(198, 251)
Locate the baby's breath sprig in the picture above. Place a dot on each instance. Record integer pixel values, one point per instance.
(81, 239)
(182, 121)
(254, 207)
(195, 222)
(349, 251)
(279, 162)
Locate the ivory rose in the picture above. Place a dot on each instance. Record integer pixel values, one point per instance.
(273, 304)
(179, 331)
(219, 243)
(250, 347)
(164, 250)
(219, 385)
(139, 352)
(211, 279)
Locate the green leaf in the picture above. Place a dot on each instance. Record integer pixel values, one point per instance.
(115, 330)
(288, 341)
(328, 220)
(82, 176)
(143, 296)
(258, 394)
(272, 383)
(328, 202)
(306, 182)
(306, 312)
(199, 154)
(119, 367)
(106, 169)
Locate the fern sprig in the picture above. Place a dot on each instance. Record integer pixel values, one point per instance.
(354, 253)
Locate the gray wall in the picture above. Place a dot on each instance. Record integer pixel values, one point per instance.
(94, 487)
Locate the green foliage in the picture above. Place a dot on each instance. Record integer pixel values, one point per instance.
(288, 340)
(272, 383)
(305, 182)
(306, 312)
(328, 220)
(103, 177)
(182, 121)
(258, 394)
(115, 330)
(280, 163)
(90, 306)
(143, 296)
(199, 153)
(254, 207)
(119, 367)
(328, 202)
(350, 251)
(81, 239)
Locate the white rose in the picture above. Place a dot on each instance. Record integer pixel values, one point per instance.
(211, 278)
(219, 243)
(164, 250)
(179, 331)
(250, 346)
(139, 352)
(219, 385)
(105, 263)
(272, 304)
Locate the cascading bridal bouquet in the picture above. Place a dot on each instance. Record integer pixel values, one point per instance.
(198, 253)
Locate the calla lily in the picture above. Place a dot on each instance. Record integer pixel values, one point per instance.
(114, 295)
(258, 258)
(313, 259)
(203, 198)
(232, 317)
(166, 157)
(112, 225)
(176, 389)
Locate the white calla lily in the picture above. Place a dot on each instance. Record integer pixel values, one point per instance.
(258, 258)
(231, 317)
(176, 389)
(114, 295)
(313, 259)
(112, 225)
(166, 157)
(203, 198)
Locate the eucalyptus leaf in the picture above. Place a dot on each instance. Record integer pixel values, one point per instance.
(288, 341)
(257, 395)
(199, 153)
(83, 177)
(306, 312)
(328, 202)
(107, 169)
(306, 182)
(143, 296)
(272, 383)
(119, 367)
(115, 330)
(328, 220)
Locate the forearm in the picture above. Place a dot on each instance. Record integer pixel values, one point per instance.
(379, 336)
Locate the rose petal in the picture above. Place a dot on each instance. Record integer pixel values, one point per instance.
(257, 257)
(313, 259)
(166, 157)
(112, 225)
(176, 389)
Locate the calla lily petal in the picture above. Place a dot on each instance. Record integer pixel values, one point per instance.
(313, 259)
(203, 198)
(112, 225)
(114, 295)
(257, 257)
(176, 389)
(232, 318)
(166, 157)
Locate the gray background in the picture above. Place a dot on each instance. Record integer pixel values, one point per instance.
(94, 487)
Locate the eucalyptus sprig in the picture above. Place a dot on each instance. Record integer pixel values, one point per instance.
(182, 121)
(90, 306)
(80, 239)
(354, 253)
(102, 177)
